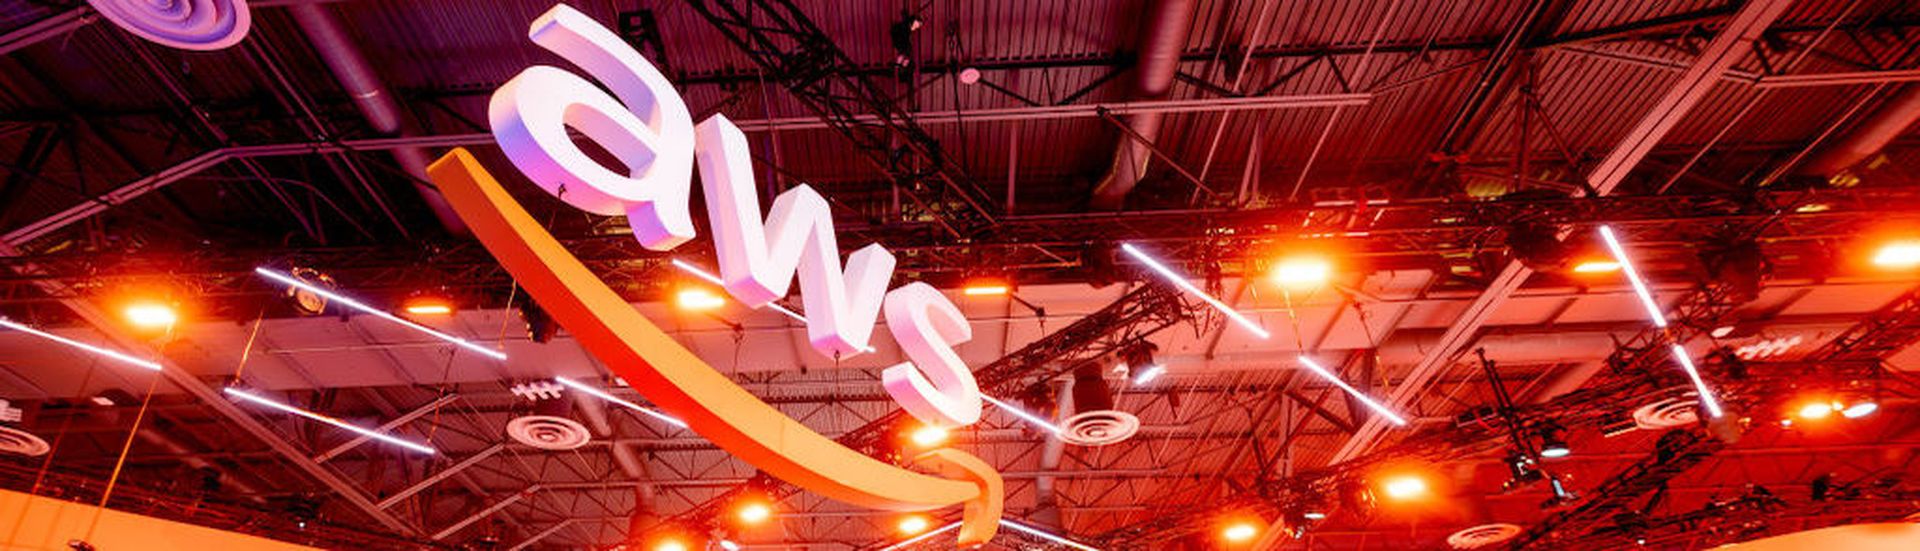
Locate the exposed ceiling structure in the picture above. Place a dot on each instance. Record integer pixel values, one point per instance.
(1453, 159)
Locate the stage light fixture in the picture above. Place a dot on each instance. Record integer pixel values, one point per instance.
(1303, 272)
(369, 433)
(1045, 535)
(708, 277)
(669, 545)
(1377, 407)
(1596, 266)
(986, 288)
(928, 436)
(1860, 409)
(1405, 487)
(1553, 442)
(912, 525)
(1898, 255)
(729, 545)
(753, 513)
(1183, 284)
(1812, 411)
(1538, 246)
(1659, 319)
(284, 279)
(1148, 374)
(1239, 532)
(698, 300)
(922, 537)
(427, 305)
(110, 354)
(151, 315)
(603, 395)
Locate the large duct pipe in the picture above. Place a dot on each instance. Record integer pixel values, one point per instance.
(371, 96)
(1869, 137)
(174, 447)
(1164, 39)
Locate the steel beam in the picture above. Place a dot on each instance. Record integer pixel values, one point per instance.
(385, 427)
(543, 534)
(1837, 79)
(55, 25)
(489, 511)
(451, 470)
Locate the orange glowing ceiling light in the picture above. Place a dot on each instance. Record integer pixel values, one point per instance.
(1405, 487)
(697, 300)
(1301, 272)
(427, 305)
(928, 436)
(1596, 266)
(151, 315)
(1898, 255)
(753, 512)
(1239, 532)
(912, 524)
(986, 288)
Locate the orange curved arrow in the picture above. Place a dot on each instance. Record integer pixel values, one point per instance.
(678, 381)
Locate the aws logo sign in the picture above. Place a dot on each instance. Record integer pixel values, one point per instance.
(645, 124)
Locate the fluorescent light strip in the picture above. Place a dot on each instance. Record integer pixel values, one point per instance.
(357, 305)
(1022, 414)
(1328, 375)
(369, 433)
(1633, 276)
(922, 537)
(1045, 535)
(714, 279)
(1149, 374)
(121, 356)
(1182, 282)
(601, 394)
(1700, 386)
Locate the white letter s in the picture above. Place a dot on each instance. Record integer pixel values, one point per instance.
(941, 390)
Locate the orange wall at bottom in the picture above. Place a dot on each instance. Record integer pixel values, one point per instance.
(42, 523)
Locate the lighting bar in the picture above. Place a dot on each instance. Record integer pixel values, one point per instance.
(1188, 286)
(922, 537)
(1699, 386)
(369, 433)
(116, 355)
(1022, 414)
(1364, 399)
(601, 394)
(357, 305)
(1045, 535)
(1149, 374)
(1659, 319)
(714, 279)
(1633, 276)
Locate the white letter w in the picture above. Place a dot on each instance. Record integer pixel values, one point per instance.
(758, 260)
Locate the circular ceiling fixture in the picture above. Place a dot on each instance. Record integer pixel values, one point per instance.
(1099, 428)
(185, 24)
(548, 432)
(21, 442)
(1483, 536)
(1678, 411)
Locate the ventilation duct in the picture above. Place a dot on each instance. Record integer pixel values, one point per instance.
(1869, 137)
(371, 96)
(1165, 39)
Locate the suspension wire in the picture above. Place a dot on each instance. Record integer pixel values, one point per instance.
(126, 447)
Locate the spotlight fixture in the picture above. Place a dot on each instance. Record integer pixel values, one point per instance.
(1816, 410)
(1739, 268)
(1523, 471)
(307, 303)
(1302, 272)
(603, 395)
(1596, 266)
(698, 300)
(1553, 442)
(753, 513)
(1022, 414)
(986, 288)
(284, 279)
(1362, 397)
(912, 525)
(1405, 487)
(1538, 246)
(540, 326)
(1183, 284)
(1860, 409)
(427, 304)
(924, 536)
(928, 436)
(1240, 531)
(1898, 255)
(151, 315)
(1561, 495)
(669, 544)
(110, 354)
(369, 433)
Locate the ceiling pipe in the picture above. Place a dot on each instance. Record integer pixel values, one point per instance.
(1869, 137)
(1045, 496)
(373, 99)
(1165, 38)
(193, 459)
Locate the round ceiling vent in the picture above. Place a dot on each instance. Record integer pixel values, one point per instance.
(1099, 428)
(1678, 411)
(14, 440)
(548, 432)
(1483, 536)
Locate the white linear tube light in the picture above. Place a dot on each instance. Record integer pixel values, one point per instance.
(1183, 284)
(369, 433)
(1377, 407)
(110, 354)
(604, 395)
(382, 314)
